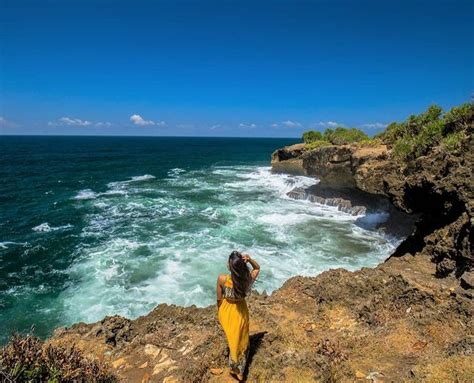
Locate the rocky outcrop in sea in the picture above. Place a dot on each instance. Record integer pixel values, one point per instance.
(437, 188)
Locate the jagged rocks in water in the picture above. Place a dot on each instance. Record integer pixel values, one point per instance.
(438, 187)
(341, 204)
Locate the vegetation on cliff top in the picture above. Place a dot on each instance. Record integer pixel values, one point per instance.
(415, 136)
(28, 359)
(337, 136)
(409, 139)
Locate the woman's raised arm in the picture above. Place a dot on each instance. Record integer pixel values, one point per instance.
(255, 266)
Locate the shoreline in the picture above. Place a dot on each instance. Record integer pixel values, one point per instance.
(275, 192)
(407, 319)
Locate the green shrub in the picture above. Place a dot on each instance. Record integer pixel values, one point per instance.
(316, 144)
(342, 136)
(312, 135)
(429, 136)
(403, 148)
(452, 142)
(432, 114)
(393, 132)
(458, 118)
(338, 136)
(28, 359)
(410, 139)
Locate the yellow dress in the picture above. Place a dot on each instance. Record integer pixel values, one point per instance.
(234, 319)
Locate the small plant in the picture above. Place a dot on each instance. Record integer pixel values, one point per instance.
(343, 136)
(28, 359)
(403, 147)
(429, 136)
(452, 142)
(311, 136)
(458, 118)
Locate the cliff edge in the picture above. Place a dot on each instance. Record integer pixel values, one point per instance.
(409, 319)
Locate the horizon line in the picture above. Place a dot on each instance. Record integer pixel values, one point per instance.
(137, 136)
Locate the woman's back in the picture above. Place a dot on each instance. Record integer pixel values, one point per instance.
(228, 291)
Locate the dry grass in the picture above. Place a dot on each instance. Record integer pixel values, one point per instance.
(27, 358)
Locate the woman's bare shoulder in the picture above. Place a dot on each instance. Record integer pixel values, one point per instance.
(222, 278)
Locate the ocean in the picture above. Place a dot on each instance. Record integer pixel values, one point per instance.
(95, 226)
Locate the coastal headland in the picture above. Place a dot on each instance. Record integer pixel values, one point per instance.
(408, 319)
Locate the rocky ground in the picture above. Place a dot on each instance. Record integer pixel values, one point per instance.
(409, 319)
(397, 322)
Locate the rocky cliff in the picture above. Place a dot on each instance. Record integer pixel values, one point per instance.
(437, 187)
(409, 319)
(397, 322)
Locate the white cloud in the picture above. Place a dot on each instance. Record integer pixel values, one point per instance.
(3, 121)
(101, 124)
(329, 124)
(375, 125)
(274, 125)
(68, 121)
(138, 120)
(216, 126)
(291, 124)
(251, 126)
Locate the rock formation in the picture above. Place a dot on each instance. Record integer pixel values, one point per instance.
(438, 187)
(409, 319)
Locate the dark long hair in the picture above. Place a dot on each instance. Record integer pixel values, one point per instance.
(240, 275)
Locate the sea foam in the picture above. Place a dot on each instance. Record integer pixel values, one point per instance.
(146, 247)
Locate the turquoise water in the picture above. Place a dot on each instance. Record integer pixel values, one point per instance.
(91, 226)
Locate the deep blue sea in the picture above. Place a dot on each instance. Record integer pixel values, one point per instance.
(93, 226)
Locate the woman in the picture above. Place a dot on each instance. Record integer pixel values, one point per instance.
(232, 309)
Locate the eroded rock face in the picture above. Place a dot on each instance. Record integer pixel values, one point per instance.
(438, 187)
(287, 160)
(331, 164)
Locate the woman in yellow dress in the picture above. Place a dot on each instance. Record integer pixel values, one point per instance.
(232, 308)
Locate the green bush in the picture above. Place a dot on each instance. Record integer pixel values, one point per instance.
(417, 135)
(343, 136)
(410, 139)
(452, 142)
(316, 144)
(403, 148)
(338, 136)
(458, 118)
(413, 126)
(429, 136)
(311, 136)
(28, 359)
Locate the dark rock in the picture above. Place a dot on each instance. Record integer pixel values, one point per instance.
(437, 189)
(115, 330)
(467, 280)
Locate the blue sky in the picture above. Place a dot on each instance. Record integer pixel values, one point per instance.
(247, 68)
